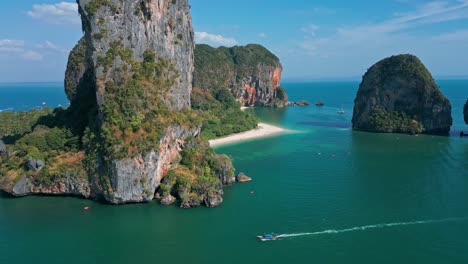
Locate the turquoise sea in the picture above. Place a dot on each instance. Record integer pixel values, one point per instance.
(337, 195)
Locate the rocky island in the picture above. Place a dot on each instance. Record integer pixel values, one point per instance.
(130, 134)
(399, 95)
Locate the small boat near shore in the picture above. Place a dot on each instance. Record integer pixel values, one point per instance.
(341, 111)
(268, 237)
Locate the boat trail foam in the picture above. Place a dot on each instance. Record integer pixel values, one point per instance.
(377, 226)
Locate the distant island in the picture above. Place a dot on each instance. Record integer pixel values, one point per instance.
(399, 95)
(135, 129)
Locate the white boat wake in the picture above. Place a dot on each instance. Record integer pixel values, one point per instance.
(378, 226)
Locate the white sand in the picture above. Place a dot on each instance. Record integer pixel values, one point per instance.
(263, 130)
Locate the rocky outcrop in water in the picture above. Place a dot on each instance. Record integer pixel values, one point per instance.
(243, 178)
(252, 73)
(129, 81)
(399, 95)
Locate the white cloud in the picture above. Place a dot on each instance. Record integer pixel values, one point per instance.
(11, 45)
(60, 13)
(31, 55)
(51, 46)
(367, 37)
(460, 35)
(262, 35)
(435, 11)
(17, 48)
(350, 50)
(213, 39)
(310, 30)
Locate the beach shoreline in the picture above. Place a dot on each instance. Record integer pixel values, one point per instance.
(263, 130)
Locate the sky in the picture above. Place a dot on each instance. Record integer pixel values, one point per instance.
(315, 39)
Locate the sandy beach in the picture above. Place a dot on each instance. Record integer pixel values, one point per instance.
(263, 130)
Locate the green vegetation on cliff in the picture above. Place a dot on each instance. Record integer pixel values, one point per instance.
(215, 67)
(252, 73)
(16, 124)
(135, 114)
(94, 5)
(397, 122)
(42, 135)
(217, 72)
(221, 113)
(76, 66)
(199, 175)
(405, 66)
(241, 60)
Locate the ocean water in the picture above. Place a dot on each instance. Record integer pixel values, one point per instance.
(25, 96)
(335, 195)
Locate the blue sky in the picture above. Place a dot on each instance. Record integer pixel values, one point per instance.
(314, 39)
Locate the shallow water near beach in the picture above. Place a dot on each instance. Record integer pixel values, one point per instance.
(335, 195)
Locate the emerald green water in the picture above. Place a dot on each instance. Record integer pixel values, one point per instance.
(321, 177)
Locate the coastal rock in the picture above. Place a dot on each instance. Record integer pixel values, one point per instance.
(2, 147)
(67, 185)
(225, 170)
(243, 178)
(190, 201)
(168, 200)
(136, 179)
(213, 200)
(35, 165)
(399, 95)
(252, 73)
(299, 103)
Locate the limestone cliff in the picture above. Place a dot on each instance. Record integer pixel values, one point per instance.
(465, 112)
(129, 81)
(252, 73)
(399, 95)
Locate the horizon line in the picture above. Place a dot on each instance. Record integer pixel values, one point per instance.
(287, 79)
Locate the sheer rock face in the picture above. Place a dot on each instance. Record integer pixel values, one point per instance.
(251, 72)
(136, 179)
(160, 26)
(402, 84)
